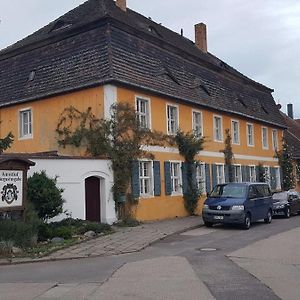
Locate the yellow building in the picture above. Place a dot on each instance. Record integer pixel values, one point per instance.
(116, 55)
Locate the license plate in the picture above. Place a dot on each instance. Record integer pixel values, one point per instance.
(218, 217)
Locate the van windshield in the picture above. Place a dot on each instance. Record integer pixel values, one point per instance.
(229, 191)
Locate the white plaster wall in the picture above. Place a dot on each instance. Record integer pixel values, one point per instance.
(71, 177)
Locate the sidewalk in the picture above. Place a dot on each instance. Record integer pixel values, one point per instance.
(124, 240)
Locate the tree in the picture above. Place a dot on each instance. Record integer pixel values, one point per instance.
(228, 154)
(189, 146)
(45, 196)
(6, 142)
(286, 162)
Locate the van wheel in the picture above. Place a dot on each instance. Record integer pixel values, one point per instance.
(268, 219)
(247, 222)
(208, 224)
(287, 212)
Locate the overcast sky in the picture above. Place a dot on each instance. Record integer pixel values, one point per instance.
(260, 38)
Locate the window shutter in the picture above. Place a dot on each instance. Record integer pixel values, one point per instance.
(257, 173)
(207, 178)
(184, 177)
(214, 175)
(245, 174)
(273, 178)
(135, 180)
(168, 184)
(227, 179)
(156, 178)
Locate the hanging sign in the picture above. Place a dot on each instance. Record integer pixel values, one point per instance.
(11, 188)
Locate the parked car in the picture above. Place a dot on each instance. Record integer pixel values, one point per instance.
(286, 203)
(238, 203)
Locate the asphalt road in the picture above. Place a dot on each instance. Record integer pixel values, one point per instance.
(218, 263)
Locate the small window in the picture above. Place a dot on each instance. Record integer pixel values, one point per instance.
(252, 192)
(197, 123)
(200, 177)
(235, 128)
(252, 173)
(176, 178)
(250, 134)
(275, 139)
(265, 142)
(25, 123)
(237, 173)
(172, 115)
(145, 169)
(218, 129)
(143, 112)
(220, 174)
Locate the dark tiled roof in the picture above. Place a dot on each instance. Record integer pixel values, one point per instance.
(81, 49)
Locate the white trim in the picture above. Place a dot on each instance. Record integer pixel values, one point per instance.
(232, 132)
(149, 108)
(253, 136)
(110, 98)
(27, 136)
(180, 193)
(201, 114)
(177, 107)
(209, 153)
(278, 183)
(262, 138)
(214, 128)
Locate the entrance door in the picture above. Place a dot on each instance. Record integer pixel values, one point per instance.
(92, 199)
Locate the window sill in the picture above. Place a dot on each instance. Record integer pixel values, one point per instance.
(146, 196)
(176, 194)
(26, 137)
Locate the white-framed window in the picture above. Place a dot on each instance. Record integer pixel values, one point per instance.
(275, 139)
(25, 123)
(172, 119)
(200, 177)
(250, 134)
(237, 173)
(220, 173)
(218, 129)
(252, 173)
(277, 178)
(143, 112)
(235, 132)
(264, 138)
(146, 178)
(267, 174)
(176, 179)
(197, 122)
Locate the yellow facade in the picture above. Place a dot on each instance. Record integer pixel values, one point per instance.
(46, 113)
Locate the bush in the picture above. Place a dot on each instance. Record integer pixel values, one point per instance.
(19, 233)
(45, 195)
(96, 227)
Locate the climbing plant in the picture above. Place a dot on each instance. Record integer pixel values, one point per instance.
(6, 142)
(286, 162)
(189, 146)
(119, 138)
(261, 172)
(228, 154)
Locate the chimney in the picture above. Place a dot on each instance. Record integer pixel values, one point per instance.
(121, 4)
(290, 111)
(200, 37)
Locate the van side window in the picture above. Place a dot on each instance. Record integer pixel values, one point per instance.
(252, 192)
(263, 191)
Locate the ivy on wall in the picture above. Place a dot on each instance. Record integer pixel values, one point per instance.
(228, 154)
(6, 142)
(189, 146)
(287, 163)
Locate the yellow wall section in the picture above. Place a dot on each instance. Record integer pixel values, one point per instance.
(170, 206)
(45, 116)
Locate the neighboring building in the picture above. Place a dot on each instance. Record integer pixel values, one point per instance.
(292, 136)
(102, 52)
